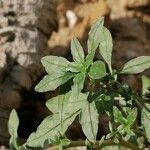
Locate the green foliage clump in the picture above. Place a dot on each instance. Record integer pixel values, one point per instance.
(104, 95)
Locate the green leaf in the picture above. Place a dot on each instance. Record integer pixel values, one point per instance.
(145, 117)
(136, 65)
(132, 115)
(94, 39)
(146, 84)
(65, 142)
(125, 123)
(94, 35)
(89, 121)
(54, 63)
(78, 84)
(53, 103)
(13, 123)
(74, 67)
(118, 116)
(106, 45)
(49, 128)
(97, 70)
(77, 51)
(57, 74)
(101, 140)
(52, 81)
(63, 105)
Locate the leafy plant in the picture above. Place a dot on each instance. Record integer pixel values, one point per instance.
(103, 95)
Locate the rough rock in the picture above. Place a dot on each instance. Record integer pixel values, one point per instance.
(24, 30)
(137, 8)
(26, 14)
(92, 11)
(136, 3)
(3, 148)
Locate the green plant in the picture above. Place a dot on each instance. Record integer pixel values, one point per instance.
(103, 95)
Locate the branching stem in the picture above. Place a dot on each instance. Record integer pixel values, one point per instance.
(105, 143)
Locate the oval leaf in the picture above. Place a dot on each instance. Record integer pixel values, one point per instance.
(89, 121)
(51, 82)
(54, 63)
(94, 35)
(145, 117)
(13, 124)
(53, 103)
(49, 128)
(94, 39)
(132, 115)
(136, 65)
(97, 70)
(77, 51)
(106, 45)
(145, 84)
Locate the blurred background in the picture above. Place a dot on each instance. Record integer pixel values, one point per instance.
(31, 29)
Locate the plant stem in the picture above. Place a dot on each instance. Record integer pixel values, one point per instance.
(60, 147)
(121, 143)
(110, 69)
(105, 143)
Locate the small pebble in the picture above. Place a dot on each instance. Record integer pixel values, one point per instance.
(3, 148)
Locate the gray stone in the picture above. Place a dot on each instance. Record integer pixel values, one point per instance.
(30, 13)
(3, 148)
(25, 27)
